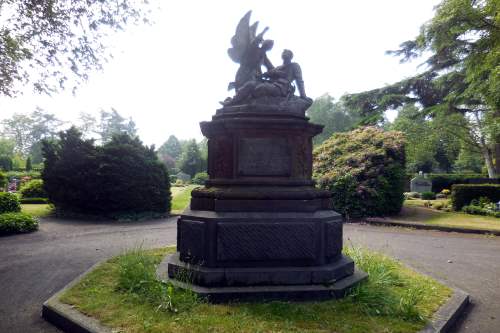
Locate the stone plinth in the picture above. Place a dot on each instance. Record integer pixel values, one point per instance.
(259, 228)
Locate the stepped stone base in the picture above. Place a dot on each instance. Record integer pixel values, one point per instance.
(246, 284)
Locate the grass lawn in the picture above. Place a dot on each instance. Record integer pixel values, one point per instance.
(181, 197)
(123, 294)
(37, 210)
(414, 211)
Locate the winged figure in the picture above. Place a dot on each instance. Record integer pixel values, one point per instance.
(249, 50)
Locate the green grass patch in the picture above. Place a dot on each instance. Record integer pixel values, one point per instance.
(181, 197)
(37, 210)
(122, 293)
(416, 211)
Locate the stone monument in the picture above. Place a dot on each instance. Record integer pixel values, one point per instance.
(259, 229)
(420, 183)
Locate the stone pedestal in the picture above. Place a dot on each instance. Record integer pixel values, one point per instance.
(259, 229)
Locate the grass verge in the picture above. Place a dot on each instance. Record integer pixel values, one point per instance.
(414, 211)
(37, 210)
(180, 198)
(123, 294)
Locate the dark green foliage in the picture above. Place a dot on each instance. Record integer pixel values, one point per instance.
(365, 171)
(11, 223)
(200, 178)
(9, 203)
(135, 181)
(3, 181)
(121, 177)
(37, 201)
(445, 181)
(28, 164)
(428, 195)
(33, 189)
(463, 194)
(5, 163)
(191, 161)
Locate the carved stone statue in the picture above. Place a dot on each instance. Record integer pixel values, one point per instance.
(274, 87)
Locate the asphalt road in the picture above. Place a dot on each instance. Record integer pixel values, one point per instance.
(35, 266)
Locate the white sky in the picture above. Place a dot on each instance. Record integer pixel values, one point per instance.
(170, 76)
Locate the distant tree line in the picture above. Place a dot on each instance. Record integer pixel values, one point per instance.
(188, 156)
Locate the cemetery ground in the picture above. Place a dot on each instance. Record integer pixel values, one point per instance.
(417, 211)
(34, 266)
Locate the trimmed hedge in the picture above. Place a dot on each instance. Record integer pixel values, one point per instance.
(9, 203)
(34, 201)
(11, 223)
(463, 194)
(445, 181)
(365, 171)
(428, 195)
(200, 178)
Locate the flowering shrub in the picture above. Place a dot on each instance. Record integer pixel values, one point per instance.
(365, 171)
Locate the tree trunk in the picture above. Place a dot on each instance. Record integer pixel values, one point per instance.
(488, 158)
(497, 157)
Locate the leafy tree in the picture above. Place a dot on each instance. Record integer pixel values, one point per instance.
(112, 123)
(28, 164)
(333, 115)
(40, 39)
(462, 74)
(171, 147)
(26, 130)
(87, 124)
(430, 145)
(191, 161)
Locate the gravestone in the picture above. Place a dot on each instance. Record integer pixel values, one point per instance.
(183, 177)
(260, 229)
(420, 184)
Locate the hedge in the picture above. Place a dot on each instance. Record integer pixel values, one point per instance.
(34, 200)
(11, 223)
(463, 194)
(9, 203)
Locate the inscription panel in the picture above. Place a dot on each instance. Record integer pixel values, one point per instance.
(264, 157)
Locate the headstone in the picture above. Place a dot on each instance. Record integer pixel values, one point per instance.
(420, 183)
(183, 177)
(260, 229)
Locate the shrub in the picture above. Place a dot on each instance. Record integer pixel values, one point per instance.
(34, 200)
(364, 170)
(123, 177)
(9, 203)
(16, 223)
(33, 189)
(445, 192)
(463, 194)
(428, 195)
(440, 205)
(411, 195)
(200, 178)
(478, 210)
(5, 163)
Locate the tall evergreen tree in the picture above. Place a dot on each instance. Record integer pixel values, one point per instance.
(191, 161)
(462, 75)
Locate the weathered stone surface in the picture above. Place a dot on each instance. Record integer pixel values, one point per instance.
(420, 184)
(264, 157)
(247, 239)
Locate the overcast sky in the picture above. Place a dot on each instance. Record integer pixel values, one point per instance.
(170, 76)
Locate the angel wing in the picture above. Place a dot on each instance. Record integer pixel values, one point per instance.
(242, 38)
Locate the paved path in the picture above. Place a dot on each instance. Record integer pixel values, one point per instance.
(34, 266)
